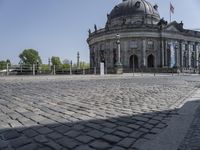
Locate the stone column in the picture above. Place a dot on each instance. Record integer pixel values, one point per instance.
(189, 54)
(196, 55)
(144, 62)
(177, 57)
(181, 53)
(165, 53)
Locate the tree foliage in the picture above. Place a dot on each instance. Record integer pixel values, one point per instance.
(56, 61)
(44, 68)
(3, 65)
(83, 65)
(30, 56)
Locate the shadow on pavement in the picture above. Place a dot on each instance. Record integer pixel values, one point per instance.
(123, 132)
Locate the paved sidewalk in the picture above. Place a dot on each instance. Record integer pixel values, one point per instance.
(172, 137)
(88, 112)
(192, 139)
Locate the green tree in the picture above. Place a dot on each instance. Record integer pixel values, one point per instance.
(65, 66)
(8, 61)
(44, 68)
(30, 56)
(56, 61)
(84, 65)
(3, 65)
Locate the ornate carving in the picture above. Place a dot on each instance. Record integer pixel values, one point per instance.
(137, 4)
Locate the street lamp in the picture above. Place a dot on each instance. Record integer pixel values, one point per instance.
(118, 65)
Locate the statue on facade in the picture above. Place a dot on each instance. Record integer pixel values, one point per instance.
(155, 7)
(181, 24)
(89, 31)
(95, 28)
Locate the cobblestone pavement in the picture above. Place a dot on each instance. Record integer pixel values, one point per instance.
(87, 113)
(192, 139)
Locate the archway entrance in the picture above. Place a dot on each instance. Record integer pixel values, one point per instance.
(135, 59)
(150, 61)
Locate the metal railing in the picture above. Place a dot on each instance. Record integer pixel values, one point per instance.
(57, 70)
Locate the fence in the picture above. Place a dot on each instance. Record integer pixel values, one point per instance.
(38, 70)
(53, 70)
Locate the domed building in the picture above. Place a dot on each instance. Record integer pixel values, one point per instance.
(136, 37)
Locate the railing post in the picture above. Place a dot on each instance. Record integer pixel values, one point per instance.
(33, 69)
(54, 70)
(7, 69)
(21, 68)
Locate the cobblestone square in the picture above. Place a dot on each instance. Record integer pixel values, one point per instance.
(88, 112)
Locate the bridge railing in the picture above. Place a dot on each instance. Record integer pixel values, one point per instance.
(34, 69)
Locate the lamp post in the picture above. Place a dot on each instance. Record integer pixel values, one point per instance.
(118, 65)
(71, 67)
(78, 60)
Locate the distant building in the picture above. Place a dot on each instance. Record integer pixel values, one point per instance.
(146, 40)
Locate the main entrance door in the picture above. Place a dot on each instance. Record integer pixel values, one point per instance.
(150, 61)
(134, 61)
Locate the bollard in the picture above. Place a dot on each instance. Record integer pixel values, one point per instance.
(7, 69)
(95, 70)
(33, 69)
(70, 70)
(83, 71)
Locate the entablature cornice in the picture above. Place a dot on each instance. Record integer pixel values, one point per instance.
(143, 34)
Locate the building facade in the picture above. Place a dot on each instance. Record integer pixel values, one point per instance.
(146, 40)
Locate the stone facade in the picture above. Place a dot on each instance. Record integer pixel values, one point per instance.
(146, 41)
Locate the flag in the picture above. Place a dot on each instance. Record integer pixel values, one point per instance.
(171, 8)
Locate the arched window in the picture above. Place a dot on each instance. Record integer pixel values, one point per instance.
(150, 61)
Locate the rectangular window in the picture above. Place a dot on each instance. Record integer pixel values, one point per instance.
(150, 45)
(133, 44)
(183, 47)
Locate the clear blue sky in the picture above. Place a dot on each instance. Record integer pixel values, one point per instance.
(60, 27)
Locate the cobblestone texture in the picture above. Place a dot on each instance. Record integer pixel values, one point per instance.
(86, 113)
(192, 139)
